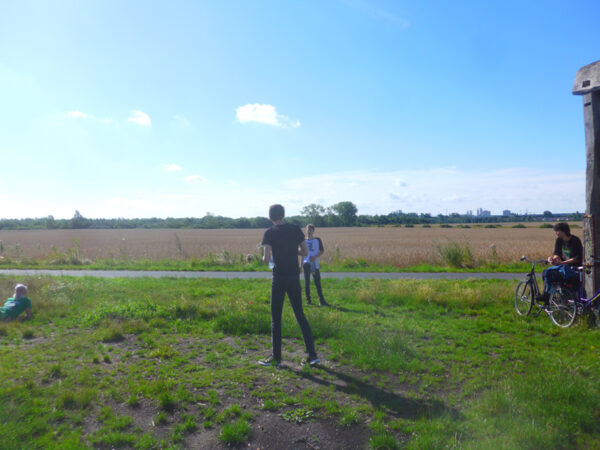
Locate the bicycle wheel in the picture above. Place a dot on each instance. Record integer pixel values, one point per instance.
(562, 307)
(524, 298)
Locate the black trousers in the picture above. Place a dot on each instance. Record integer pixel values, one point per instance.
(289, 285)
(317, 277)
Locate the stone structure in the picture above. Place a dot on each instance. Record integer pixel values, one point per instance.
(587, 84)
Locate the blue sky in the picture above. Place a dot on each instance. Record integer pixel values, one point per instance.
(158, 109)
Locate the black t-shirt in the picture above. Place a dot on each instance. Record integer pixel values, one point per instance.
(284, 240)
(570, 249)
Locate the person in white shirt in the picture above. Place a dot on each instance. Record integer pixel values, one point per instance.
(310, 264)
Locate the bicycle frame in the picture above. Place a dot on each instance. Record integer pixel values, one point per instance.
(527, 290)
(531, 275)
(586, 303)
(563, 302)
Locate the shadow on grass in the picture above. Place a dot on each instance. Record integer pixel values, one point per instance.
(346, 310)
(401, 407)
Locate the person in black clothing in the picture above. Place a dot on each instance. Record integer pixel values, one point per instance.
(283, 243)
(568, 253)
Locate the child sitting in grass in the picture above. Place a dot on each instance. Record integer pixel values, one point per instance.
(13, 307)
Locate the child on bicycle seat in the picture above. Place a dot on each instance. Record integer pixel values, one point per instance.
(568, 253)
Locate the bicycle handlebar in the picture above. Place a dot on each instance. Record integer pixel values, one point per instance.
(544, 261)
(539, 261)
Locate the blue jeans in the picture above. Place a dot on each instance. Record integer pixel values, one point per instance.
(289, 285)
(558, 274)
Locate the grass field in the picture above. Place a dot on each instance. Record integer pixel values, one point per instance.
(146, 363)
(392, 248)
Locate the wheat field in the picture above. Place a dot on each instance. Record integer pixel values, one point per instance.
(385, 245)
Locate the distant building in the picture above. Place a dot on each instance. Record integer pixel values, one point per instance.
(483, 212)
(506, 212)
(469, 212)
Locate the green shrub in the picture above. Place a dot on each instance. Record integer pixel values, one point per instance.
(298, 415)
(55, 371)
(209, 413)
(383, 441)
(80, 399)
(67, 400)
(133, 401)
(235, 433)
(189, 423)
(270, 405)
(166, 401)
(28, 333)
(228, 413)
(350, 416)
(456, 255)
(113, 333)
(161, 418)
(146, 442)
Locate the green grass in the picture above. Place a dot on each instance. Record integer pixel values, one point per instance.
(236, 433)
(151, 363)
(456, 258)
(298, 415)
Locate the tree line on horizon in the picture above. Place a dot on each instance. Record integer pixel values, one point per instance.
(342, 214)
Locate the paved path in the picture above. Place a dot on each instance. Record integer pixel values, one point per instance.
(249, 275)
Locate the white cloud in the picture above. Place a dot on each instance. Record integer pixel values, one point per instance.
(437, 190)
(195, 179)
(75, 114)
(183, 120)
(172, 167)
(266, 114)
(141, 118)
(442, 190)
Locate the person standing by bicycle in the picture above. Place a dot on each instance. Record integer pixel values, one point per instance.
(568, 253)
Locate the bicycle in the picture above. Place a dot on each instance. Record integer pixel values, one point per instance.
(561, 306)
(589, 307)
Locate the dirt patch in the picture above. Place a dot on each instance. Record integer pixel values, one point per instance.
(270, 431)
(340, 386)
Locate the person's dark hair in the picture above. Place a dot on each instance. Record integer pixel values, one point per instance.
(562, 226)
(310, 226)
(276, 212)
